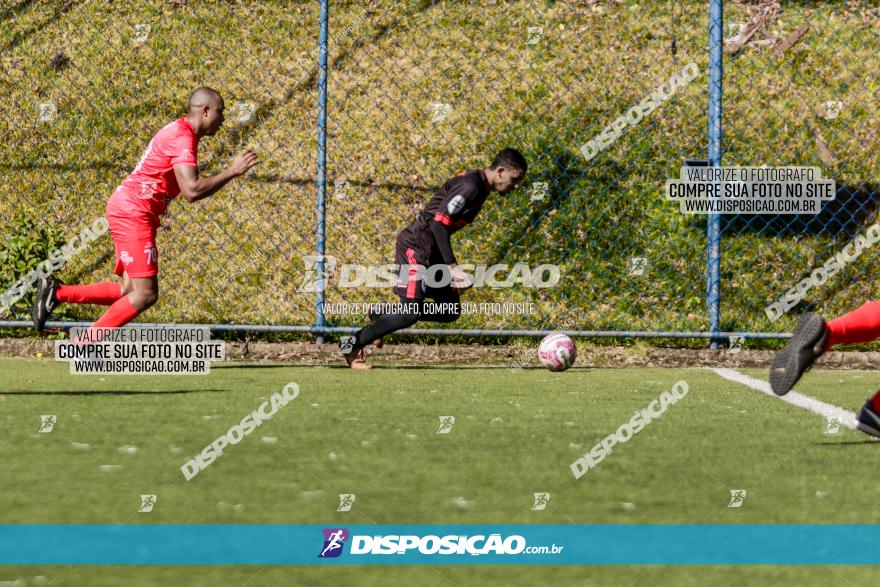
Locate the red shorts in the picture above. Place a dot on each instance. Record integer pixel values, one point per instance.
(134, 237)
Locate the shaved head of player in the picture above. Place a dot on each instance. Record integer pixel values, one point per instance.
(206, 111)
(168, 167)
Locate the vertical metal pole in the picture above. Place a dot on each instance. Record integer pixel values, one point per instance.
(713, 229)
(320, 231)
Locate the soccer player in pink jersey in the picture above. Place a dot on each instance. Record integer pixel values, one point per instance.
(168, 168)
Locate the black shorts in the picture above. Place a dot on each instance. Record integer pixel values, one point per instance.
(414, 287)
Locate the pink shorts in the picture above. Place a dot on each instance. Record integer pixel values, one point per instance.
(134, 237)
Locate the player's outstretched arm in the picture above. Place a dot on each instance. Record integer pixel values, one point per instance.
(194, 188)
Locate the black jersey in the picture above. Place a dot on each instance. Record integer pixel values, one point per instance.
(452, 207)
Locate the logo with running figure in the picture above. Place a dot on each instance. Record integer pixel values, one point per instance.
(833, 426)
(334, 540)
(318, 269)
(541, 500)
(47, 423)
(346, 344)
(737, 497)
(147, 503)
(446, 423)
(346, 500)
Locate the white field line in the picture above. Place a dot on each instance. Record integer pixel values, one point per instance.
(846, 418)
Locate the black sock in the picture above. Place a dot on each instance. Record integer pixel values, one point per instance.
(409, 312)
(383, 325)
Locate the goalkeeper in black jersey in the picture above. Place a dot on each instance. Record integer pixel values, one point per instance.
(426, 243)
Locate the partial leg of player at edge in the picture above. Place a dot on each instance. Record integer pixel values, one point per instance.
(168, 168)
(426, 243)
(813, 337)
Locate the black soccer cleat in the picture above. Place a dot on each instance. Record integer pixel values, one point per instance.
(44, 302)
(806, 345)
(868, 421)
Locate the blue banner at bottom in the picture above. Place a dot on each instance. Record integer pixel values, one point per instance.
(212, 544)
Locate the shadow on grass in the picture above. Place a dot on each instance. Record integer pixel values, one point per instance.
(259, 178)
(561, 176)
(443, 367)
(60, 9)
(258, 366)
(15, 10)
(852, 210)
(266, 110)
(847, 442)
(99, 392)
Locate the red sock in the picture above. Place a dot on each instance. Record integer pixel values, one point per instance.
(104, 293)
(875, 402)
(119, 314)
(860, 325)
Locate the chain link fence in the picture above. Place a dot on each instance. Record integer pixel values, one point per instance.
(416, 93)
(800, 88)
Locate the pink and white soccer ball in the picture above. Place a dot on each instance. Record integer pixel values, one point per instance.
(557, 352)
